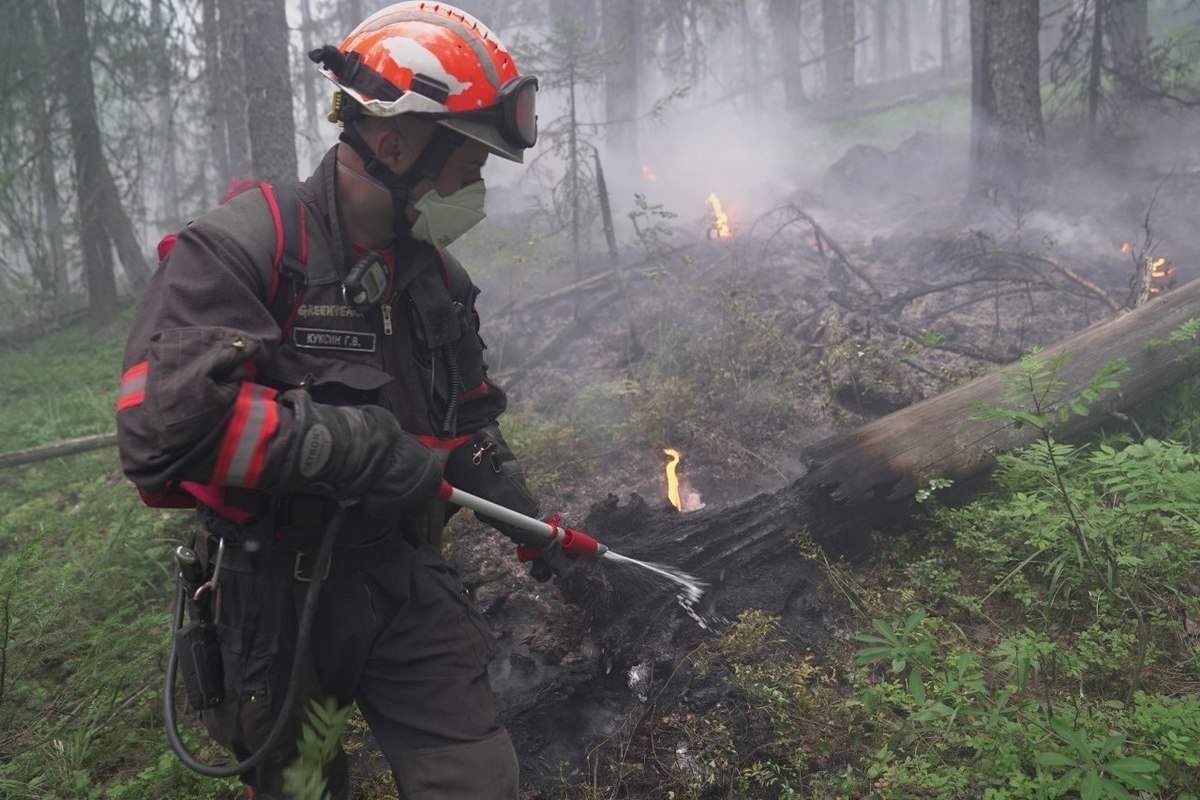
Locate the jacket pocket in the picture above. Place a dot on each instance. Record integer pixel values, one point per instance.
(193, 378)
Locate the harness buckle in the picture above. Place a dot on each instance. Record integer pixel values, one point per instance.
(303, 571)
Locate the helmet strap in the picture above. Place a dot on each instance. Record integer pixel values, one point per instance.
(427, 165)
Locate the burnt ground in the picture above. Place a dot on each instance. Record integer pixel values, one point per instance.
(837, 306)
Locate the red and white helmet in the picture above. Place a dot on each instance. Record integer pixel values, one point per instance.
(434, 61)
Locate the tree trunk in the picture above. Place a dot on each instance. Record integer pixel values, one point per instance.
(79, 90)
(160, 27)
(904, 36)
(1129, 36)
(1095, 67)
(233, 108)
(752, 77)
(622, 44)
(834, 40)
(353, 13)
(785, 24)
(1007, 137)
(214, 117)
(269, 91)
(850, 32)
(311, 119)
(39, 30)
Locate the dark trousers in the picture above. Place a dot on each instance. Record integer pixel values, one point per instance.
(394, 633)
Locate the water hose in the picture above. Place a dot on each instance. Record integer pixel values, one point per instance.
(304, 637)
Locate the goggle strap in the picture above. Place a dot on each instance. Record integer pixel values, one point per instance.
(436, 154)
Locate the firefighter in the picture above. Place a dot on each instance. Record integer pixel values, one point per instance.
(279, 366)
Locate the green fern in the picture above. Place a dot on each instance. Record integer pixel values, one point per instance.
(304, 779)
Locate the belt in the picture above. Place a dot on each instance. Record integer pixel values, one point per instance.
(281, 559)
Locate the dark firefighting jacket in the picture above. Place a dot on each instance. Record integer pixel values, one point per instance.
(206, 363)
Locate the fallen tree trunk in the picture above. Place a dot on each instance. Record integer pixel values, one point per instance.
(891, 457)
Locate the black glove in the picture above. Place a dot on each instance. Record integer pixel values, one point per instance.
(486, 467)
(355, 452)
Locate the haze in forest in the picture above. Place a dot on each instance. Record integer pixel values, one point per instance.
(762, 102)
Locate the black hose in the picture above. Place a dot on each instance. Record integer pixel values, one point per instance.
(324, 554)
(450, 421)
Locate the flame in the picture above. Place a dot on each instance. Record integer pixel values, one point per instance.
(720, 226)
(648, 175)
(1126, 248)
(673, 479)
(681, 495)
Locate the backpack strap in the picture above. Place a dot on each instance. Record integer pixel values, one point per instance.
(289, 274)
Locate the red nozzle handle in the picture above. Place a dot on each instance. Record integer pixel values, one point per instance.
(578, 542)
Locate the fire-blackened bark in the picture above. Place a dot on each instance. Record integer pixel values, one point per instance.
(269, 91)
(1008, 155)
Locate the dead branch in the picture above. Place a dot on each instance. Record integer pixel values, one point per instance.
(1071, 275)
(823, 240)
(558, 340)
(584, 285)
(44, 452)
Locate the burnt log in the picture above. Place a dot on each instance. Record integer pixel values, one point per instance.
(577, 710)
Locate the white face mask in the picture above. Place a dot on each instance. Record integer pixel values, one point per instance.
(441, 220)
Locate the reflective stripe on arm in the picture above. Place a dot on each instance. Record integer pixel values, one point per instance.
(243, 450)
(133, 386)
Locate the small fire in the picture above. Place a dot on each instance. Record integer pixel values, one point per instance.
(1160, 269)
(681, 495)
(648, 175)
(673, 478)
(720, 225)
(1126, 248)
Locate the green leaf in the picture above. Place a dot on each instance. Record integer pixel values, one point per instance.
(885, 631)
(1133, 764)
(935, 711)
(871, 654)
(916, 686)
(1089, 787)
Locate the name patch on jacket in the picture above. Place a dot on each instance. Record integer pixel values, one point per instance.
(319, 339)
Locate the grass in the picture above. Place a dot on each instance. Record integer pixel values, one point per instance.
(85, 591)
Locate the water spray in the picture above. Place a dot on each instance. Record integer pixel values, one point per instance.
(577, 543)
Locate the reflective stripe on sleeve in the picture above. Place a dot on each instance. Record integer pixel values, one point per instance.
(133, 386)
(244, 447)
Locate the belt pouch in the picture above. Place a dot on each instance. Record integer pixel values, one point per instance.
(200, 662)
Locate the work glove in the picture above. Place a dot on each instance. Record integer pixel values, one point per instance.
(350, 452)
(486, 467)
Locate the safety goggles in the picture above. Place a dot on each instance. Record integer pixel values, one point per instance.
(514, 114)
